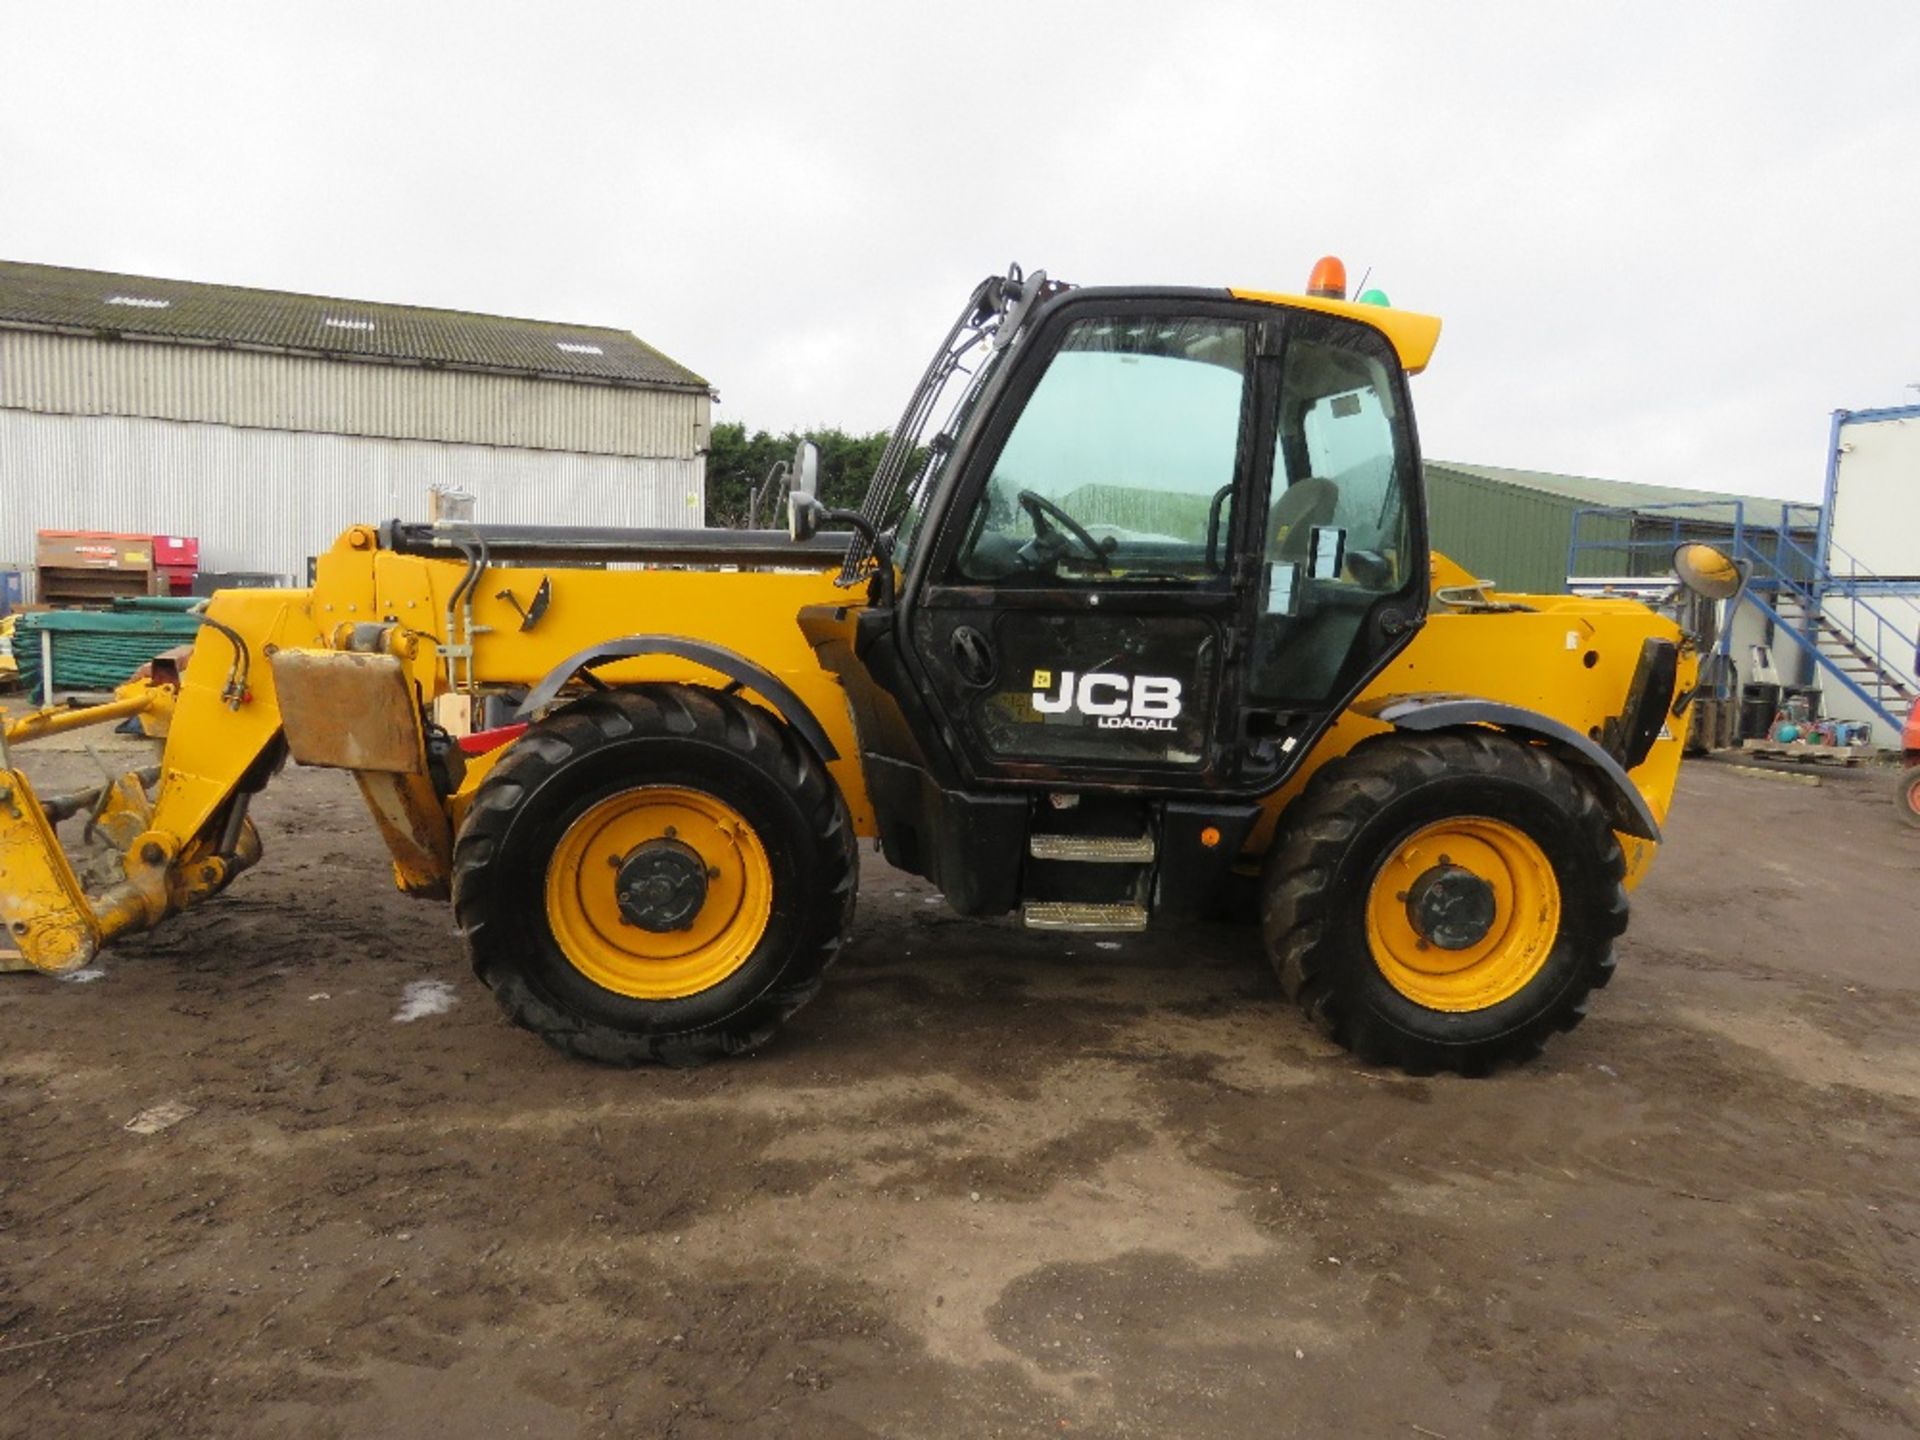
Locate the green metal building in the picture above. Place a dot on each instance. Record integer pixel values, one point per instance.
(1517, 527)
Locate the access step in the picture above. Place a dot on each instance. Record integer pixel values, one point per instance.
(1093, 849)
(1081, 915)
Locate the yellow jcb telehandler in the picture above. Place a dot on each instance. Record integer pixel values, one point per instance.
(1151, 615)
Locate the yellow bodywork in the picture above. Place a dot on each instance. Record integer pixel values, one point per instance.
(229, 714)
(1569, 657)
(1412, 335)
(347, 671)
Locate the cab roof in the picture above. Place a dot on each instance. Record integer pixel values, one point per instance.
(1412, 335)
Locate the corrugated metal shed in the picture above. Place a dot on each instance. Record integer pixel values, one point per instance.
(267, 499)
(101, 303)
(263, 423)
(1514, 526)
(69, 375)
(1510, 534)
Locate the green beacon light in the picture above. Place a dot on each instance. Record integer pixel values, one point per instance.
(1375, 297)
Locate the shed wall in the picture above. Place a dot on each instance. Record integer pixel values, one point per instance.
(79, 375)
(267, 499)
(1507, 534)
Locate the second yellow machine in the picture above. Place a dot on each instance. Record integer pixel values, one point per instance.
(1150, 615)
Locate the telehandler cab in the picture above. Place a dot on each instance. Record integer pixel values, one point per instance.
(1152, 613)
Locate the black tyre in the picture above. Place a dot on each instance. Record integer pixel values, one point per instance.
(655, 874)
(1906, 795)
(1444, 902)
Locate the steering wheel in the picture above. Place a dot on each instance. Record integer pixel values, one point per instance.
(1050, 519)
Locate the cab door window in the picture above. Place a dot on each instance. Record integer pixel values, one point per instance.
(1121, 465)
(1338, 528)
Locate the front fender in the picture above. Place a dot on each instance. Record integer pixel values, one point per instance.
(1627, 809)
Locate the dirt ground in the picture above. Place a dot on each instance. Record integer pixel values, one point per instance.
(992, 1183)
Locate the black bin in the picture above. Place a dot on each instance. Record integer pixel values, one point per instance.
(208, 581)
(1759, 702)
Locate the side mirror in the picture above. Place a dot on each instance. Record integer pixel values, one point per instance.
(804, 514)
(1708, 572)
(804, 474)
(1708, 575)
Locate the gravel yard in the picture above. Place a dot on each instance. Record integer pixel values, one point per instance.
(993, 1183)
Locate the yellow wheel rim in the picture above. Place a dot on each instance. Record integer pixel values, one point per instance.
(585, 876)
(1503, 863)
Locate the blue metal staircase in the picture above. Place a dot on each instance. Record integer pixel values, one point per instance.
(1861, 632)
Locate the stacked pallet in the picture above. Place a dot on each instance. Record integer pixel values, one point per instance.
(95, 650)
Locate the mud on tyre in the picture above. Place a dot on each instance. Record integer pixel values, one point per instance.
(1444, 902)
(660, 873)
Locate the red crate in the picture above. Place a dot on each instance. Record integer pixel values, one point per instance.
(177, 559)
(176, 550)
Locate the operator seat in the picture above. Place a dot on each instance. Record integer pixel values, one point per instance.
(1303, 505)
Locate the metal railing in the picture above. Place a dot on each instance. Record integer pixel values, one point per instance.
(1790, 584)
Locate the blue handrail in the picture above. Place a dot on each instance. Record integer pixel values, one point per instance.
(1816, 603)
(1825, 661)
(1774, 554)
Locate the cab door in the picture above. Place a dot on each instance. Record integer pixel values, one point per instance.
(1080, 608)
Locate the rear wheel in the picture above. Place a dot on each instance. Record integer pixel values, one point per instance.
(1444, 902)
(655, 874)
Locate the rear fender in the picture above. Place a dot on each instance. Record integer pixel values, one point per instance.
(736, 667)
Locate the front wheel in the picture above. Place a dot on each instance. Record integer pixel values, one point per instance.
(1444, 902)
(655, 874)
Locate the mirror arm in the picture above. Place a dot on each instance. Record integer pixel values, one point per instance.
(879, 543)
(805, 516)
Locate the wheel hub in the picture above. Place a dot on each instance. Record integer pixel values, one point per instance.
(1463, 913)
(661, 886)
(1451, 907)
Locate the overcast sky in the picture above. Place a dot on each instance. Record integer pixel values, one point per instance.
(1666, 242)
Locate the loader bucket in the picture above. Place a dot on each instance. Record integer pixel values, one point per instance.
(46, 914)
(50, 917)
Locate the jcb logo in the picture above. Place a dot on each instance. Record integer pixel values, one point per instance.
(1116, 702)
